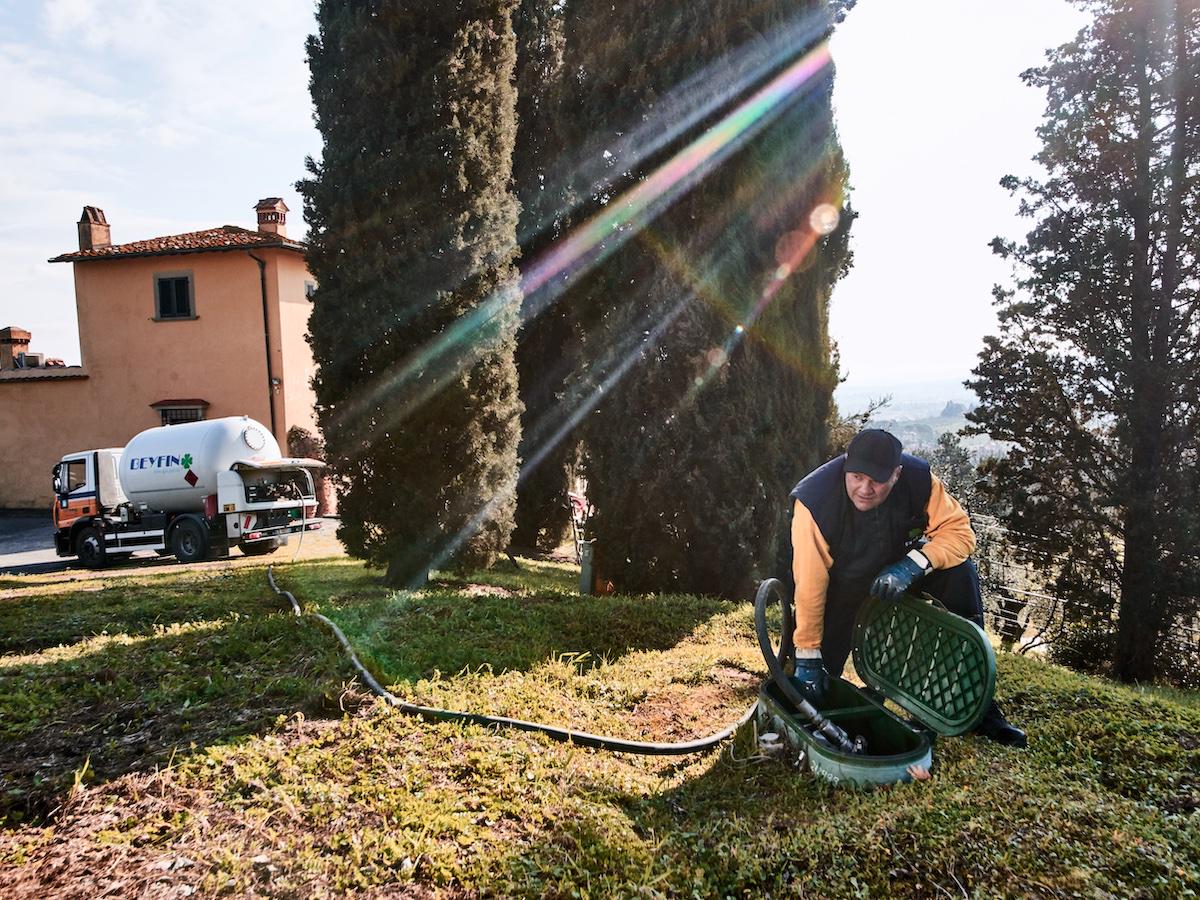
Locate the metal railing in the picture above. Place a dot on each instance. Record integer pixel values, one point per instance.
(1025, 609)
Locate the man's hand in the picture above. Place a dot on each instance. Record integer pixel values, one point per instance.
(899, 576)
(811, 679)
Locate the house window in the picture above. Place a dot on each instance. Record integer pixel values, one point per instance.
(176, 415)
(176, 410)
(173, 297)
(310, 288)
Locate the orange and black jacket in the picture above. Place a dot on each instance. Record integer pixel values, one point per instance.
(829, 557)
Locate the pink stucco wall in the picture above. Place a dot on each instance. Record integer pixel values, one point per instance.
(41, 422)
(299, 400)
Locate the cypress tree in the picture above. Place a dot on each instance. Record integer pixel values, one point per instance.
(546, 348)
(704, 332)
(413, 240)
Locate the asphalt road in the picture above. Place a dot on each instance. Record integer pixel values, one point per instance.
(27, 548)
(25, 538)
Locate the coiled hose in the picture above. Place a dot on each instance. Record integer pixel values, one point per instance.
(582, 738)
(772, 590)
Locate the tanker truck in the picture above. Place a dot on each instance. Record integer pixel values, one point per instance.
(193, 490)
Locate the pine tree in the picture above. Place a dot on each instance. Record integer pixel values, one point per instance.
(1095, 374)
(703, 332)
(951, 463)
(413, 236)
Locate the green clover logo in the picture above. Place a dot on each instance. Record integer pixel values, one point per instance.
(186, 461)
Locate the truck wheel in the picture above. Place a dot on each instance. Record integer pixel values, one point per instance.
(189, 543)
(258, 548)
(89, 547)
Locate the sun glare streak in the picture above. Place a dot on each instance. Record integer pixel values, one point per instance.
(599, 237)
(794, 251)
(610, 228)
(676, 264)
(577, 413)
(685, 106)
(808, 181)
(425, 373)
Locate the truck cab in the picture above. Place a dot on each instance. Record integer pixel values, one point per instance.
(86, 485)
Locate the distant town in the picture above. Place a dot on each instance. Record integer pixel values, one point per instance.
(918, 414)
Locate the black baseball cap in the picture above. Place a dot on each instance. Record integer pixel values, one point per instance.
(874, 453)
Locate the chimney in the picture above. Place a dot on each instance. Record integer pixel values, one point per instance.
(272, 216)
(93, 229)
(13, 342)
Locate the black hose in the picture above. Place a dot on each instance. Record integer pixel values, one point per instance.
(773, 588)
(582, 738)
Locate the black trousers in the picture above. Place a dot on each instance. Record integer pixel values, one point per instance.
(957, 589)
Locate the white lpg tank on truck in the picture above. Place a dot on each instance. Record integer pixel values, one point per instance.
(193, 490)
(175, 467)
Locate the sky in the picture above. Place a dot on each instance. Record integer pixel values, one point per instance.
(932, 113)
(174, 116)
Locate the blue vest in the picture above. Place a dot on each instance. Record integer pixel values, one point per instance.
(863, 543)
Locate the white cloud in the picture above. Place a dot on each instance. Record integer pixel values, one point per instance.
(220, 65)
(40, 89)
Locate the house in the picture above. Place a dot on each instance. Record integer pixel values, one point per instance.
(171, 329)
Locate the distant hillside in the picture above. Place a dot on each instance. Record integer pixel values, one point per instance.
(918, 414)
(910, 400)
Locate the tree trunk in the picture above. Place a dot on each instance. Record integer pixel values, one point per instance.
(1139, 623)
(1140, 619)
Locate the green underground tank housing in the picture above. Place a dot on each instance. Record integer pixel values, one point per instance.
(936, 666)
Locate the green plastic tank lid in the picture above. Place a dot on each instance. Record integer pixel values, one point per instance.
(938, 666)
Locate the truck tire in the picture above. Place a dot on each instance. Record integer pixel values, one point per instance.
(189, 542)
(89, 547)
(258, 548)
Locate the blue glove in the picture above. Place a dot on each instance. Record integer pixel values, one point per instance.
(811, 679)
(897, 578)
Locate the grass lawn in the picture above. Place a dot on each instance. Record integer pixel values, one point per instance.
(182, 733)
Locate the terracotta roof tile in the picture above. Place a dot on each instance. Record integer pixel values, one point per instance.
(227, 237)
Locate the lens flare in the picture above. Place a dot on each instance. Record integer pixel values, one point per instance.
(625, 216)
(824, 219)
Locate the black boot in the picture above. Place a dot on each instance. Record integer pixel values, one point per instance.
(996, 728)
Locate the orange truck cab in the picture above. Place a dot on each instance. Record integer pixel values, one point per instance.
(84, 485)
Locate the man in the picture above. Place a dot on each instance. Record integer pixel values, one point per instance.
(877, 521)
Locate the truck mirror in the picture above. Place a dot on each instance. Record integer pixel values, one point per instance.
(56, 475)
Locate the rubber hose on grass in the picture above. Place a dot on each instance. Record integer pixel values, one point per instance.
(582, 738)
(770, 589)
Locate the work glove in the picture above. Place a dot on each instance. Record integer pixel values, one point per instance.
(811, 679)
(897, 578)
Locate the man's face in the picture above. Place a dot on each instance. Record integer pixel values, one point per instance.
(866, 493)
